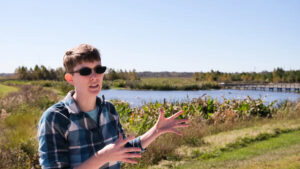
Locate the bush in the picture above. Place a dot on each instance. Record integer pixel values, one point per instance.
(14, 157)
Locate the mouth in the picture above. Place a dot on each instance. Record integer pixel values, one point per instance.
(94, 86)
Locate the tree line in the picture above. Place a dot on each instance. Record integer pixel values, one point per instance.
(39, 73)
(43, 73)
(278, 75)
(120, 74)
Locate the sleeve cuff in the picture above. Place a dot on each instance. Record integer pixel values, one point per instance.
(139, 144)
(135, 143)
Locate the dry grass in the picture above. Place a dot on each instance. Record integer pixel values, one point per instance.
(34, 96)
(20, 113)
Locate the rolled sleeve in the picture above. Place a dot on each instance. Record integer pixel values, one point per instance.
(135, 143)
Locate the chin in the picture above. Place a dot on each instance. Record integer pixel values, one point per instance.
(94, 92)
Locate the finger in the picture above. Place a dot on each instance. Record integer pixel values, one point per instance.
(176, 114)
(131, 149)
(120, 139)
(182, 121)
(181, 125)
(120, 136)
(126, 140)
(132, 155)
(126, 160)
(162, 113)
(175, 131)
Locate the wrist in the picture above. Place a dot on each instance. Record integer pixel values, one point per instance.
(96, 161)
(101, 157)
(157, 131)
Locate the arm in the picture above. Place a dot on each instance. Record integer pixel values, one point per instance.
(53, 147)
(163, 125)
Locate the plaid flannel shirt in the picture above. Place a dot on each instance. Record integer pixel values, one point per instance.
(67, 136)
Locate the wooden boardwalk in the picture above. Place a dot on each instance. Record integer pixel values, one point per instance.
(277, 87)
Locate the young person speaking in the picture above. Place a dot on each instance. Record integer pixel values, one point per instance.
(83, 130)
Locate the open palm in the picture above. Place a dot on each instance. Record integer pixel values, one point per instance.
(170, 124)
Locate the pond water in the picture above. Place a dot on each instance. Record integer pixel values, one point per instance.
(140, 97)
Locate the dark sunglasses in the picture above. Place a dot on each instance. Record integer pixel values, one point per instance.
(85, 71)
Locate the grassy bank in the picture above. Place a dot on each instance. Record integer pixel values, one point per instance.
(163, 84)
(280, 151)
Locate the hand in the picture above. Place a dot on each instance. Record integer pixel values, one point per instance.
(117, 152)
(170, 124)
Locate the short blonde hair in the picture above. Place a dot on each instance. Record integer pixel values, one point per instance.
(75, 56)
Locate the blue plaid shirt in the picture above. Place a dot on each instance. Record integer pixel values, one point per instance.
(67, 136)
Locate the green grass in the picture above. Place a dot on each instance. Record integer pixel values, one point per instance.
(22, 124)
(260, 148)
(283, 144)
(59, 87)
(176, 84)
(4, 89)
(171, 80)
(160, 84)
(237, 137)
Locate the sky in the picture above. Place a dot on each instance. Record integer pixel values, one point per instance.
(154, 35)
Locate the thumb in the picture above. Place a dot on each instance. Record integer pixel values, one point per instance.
(120, 137)
(161, 114)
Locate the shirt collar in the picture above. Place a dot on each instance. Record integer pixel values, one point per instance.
(72, 106)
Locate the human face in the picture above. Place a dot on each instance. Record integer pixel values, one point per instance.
(89, 85)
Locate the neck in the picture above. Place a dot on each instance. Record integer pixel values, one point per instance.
(85, 103)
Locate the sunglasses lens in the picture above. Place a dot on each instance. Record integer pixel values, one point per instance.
(85, 71)
(100, 69)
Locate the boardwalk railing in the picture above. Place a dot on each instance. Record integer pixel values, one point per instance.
(279, 87)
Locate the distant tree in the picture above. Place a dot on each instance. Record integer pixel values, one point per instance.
(124, 75)
(39, 73)
(277, 73)
(22, 72)
(60, 73)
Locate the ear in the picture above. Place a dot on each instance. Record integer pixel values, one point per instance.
(69, 78)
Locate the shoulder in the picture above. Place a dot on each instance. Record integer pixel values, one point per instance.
(57, 113)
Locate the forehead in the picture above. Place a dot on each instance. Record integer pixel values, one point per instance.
(87, 64)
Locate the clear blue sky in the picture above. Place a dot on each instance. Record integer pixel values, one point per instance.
(154, 35)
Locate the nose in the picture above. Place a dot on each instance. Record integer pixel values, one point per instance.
(93, 75)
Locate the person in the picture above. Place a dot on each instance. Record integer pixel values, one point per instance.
(83, 130)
